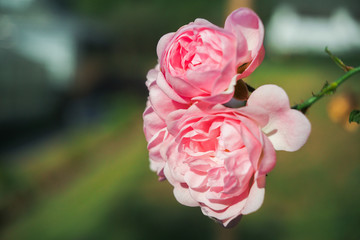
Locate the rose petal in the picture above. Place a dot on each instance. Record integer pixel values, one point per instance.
(222, 97)
(226, 79)
(162, 44)
(271, 98)
(244, 22)
(161, 103)
(152, 75)
(152, 123)
(168, 90)
(173, 121)
(155, 144)
(183, 196)
(255, 199)
(226, 215)
(253, 65)
(194, 180)
(253, 146)
(268, 156)
(287, 129)
(184, 87)
(258, 114)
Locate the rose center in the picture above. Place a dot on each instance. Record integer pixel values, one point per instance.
(195, 50)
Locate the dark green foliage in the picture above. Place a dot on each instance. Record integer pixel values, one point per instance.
(354, 116)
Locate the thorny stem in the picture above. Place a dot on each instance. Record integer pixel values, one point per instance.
(327, 89)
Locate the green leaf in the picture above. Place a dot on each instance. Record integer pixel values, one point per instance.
(354, 116)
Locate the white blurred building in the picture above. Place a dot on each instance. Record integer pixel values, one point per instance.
(36, 33)
(289, 32)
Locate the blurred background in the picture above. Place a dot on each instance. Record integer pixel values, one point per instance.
(73, 158)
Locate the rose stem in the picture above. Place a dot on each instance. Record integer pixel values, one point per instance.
(327, 89)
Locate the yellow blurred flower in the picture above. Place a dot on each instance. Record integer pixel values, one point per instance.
(339, 109)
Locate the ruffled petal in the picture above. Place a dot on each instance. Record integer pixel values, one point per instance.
(152, 123)
(161, 103)
(168, 90)
(253, 64)
(268, 157)
(244, 22)
(257, 114)
(222, 97)
(184, 87)
(227, 215)
(152, 74)
(183, 196)
(162, 44)
(255, 198)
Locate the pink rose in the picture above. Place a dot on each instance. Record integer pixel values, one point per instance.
(157, 109)
(217, 157)
(201, 61)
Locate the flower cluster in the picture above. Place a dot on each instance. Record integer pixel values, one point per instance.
(214, 156)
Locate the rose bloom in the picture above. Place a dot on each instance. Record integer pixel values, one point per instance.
(158, 106)
(202, 61)
(217, 157)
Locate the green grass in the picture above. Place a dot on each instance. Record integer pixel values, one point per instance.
(73, 212)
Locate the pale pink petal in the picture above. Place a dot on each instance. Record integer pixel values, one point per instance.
(175, 162)
(172, 121)
(203, 22)
(226, 79)
(222, 97)
(229, 138)
(203, 79)
(152, 123)
(271, 98)
(156, 166)
(168, 175)
(243, 54)
(175, 121)
(155, 144)
(161, 103)
(184, 87)
(219, 98)
(162, 44)
(168, 90)
(207, 204)
(255, 199)
(201, 165)
(287, 129)
(253, 65)
(253, 146)
(244, 22)
(157, 162)
(226, 215)
(152, 75)
(183, 196)
(268, 156)
(257, 114)
(194, 180)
